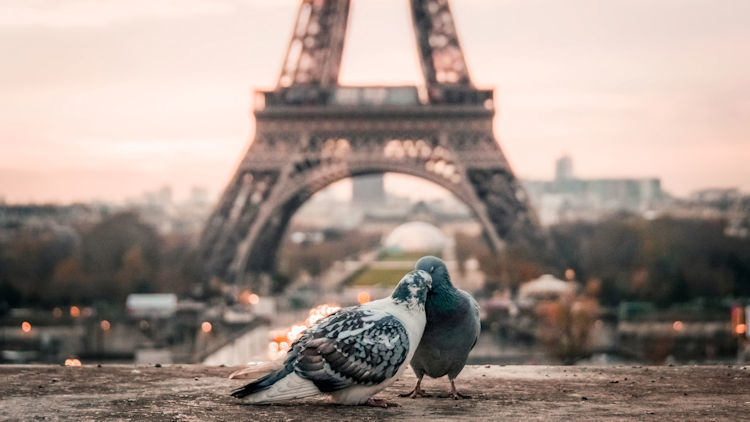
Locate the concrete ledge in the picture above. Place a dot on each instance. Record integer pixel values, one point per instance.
(187, 392)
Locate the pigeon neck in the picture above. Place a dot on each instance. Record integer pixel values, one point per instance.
(443, 296)
(413, 296)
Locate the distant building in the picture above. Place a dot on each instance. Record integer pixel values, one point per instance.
(416, 236)
(717, 196)
(564, 169)
(160, 210)
(57, 219)
(155, 305)
(571, 198)
(727, 204)
(368, 189)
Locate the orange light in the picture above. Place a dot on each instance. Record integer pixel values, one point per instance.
(75, 311)
(678, 326)
(72, 362)
(248, 298)
(206, 327)
(105, 325)
(282, 340)
(245, 297)
(320, 312)
(26, 327)
(295, 332)
(363, 297)
(570, 274)
(740, 328)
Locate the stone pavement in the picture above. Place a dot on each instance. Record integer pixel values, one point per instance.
(199, 393)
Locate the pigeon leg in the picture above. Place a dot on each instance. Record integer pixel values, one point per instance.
(416, 392)
(380, 403)
(455, 394)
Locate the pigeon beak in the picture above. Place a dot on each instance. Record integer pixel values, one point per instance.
(427, 278)
(429, 281)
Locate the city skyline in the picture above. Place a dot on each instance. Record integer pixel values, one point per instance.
(109, 99)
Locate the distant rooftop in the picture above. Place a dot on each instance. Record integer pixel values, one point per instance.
(151, 305)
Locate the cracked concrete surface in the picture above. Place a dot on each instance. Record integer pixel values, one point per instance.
(199, 393)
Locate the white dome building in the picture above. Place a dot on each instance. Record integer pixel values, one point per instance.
(416, 236)
(546, 287)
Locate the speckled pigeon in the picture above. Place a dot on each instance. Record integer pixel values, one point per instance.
(451, 332)
(353, 353)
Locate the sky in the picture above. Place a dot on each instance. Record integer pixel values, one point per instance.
(104, 99)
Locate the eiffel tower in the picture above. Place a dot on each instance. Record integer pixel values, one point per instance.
(311, 132)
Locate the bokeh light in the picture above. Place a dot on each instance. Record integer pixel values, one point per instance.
(570, 274)
(281, 340)
(244, 297)
(363, 297)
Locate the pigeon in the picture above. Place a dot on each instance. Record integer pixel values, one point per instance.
(451, 332)
(351, 354)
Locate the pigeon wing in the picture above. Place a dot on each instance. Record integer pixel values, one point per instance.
(352, 347)
(475, 313)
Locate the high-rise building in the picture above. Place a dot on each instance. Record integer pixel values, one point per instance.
(569, 197)
(368, 189)
(564, 168)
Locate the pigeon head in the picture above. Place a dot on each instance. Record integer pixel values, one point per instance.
(413, 289)
(436, 268)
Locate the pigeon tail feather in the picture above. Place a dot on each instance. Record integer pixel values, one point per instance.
(263, 383)
(289, 386)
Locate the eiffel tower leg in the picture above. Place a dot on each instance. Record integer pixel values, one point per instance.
(243, 234)
(234, 217)
(489, 187)
(509, 213)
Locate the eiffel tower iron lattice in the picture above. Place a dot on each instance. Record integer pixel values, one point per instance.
(311, 132)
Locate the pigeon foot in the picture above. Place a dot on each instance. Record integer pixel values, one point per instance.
(455, 395)
(416, 392)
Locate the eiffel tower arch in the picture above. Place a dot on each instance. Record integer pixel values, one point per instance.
(311, 132)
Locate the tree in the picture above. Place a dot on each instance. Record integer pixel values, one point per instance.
(121, 255)
(28, 260)
(666, 260)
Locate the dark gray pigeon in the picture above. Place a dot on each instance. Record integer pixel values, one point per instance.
(451, 332)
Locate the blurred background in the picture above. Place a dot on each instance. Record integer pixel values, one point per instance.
(626, 121)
